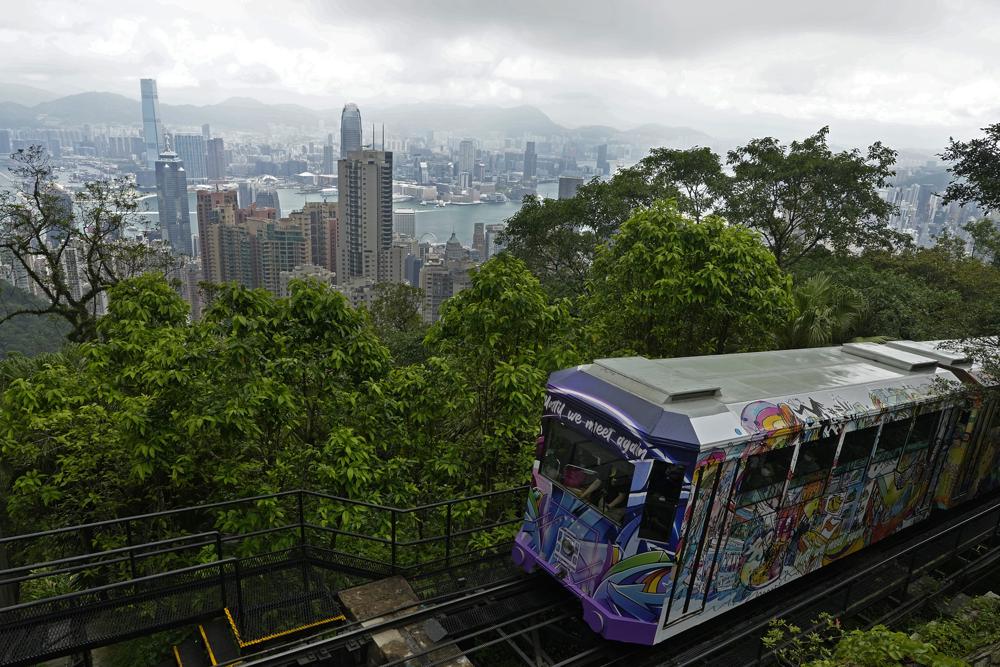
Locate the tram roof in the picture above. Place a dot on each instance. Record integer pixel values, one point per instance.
(710, 400)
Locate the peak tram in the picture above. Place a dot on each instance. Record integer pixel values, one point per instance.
(666, 492)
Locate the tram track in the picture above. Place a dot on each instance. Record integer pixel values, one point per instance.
(545, 616)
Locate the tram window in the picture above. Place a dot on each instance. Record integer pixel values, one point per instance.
(814, 462)
(856, 449)
(662, 496)
(891, 440)
(764, 475)
(924, 429)
(588, 470)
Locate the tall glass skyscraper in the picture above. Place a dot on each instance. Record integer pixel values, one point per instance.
(350, 130)
(172, 202)
(152, 126)
(191, 149)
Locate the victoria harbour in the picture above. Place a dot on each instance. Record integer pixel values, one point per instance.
(433, 223)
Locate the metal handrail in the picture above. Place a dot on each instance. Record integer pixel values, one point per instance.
(238, 501)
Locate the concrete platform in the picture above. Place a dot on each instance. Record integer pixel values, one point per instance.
(386, 599)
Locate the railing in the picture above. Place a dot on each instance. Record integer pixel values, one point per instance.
(366, 538)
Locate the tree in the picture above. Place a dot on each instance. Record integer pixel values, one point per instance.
(71, 259)
(976, 169)
(556, 238)
(802, 196)
(985, 238)
(396, 314)
(502, 336)
(824, 313)
(668, 286)
(694, 174)
(546, 235)
(29, 334)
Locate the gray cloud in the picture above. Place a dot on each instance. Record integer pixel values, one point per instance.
(913, 70)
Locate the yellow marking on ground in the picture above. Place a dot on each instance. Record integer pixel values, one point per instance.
(275, 635)
(208, 646)
(177, 657)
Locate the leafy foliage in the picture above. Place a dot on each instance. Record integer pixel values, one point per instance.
(803, 195)
(694, 174)
(502, 338)
(72, 258)
(824, 313)
(976, 169)
(29, 334)
(669, 286)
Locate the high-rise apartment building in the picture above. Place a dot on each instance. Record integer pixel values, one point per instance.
(493, 245)
(479, 239)
(328, 155)
(267, 197)
(602, 160)
(350, 130)
(191, 150)
(206, 132)
(404, 222)
(152, 125)
(568, 185)
(5, 143)
(530, 161)
(364, 214)
(466, 157)
(320, 219)
(215, 159)
(172, 202)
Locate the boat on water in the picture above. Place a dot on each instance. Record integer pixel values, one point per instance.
(494, 198)
(440, 203)
(401, 198)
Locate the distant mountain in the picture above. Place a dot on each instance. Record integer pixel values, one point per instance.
(16, 115)
(244, 113)
(25, 95)
(457, 119)
(94, 108)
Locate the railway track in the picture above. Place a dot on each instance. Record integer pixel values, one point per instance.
(531, 620)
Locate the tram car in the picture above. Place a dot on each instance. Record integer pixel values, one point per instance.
(666, 492)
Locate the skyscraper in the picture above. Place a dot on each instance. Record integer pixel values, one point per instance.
(404, 222)
(190, 148)
(568, 185)
(206, 132)
(479, 240)
(152, 126)
(172, 202)
(530, 160)
(466, 157)
(328, 155)
(602, 160)
(215, 161)
(350, 130)
(364, 214)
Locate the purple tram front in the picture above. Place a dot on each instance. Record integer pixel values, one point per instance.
(668, 491)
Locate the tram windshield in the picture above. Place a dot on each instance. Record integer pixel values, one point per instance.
(588, 470)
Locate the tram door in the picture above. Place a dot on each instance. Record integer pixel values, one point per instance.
(703, 524)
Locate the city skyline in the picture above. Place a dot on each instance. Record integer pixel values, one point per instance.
(889, 70)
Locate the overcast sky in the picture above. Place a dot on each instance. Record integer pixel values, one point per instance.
(910, 71)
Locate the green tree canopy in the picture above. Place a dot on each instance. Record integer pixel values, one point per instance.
(976, 169)
(694, 174)
(71, 249)
(502, 337)
(825, 313)
(802, 196)
(668, 286)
